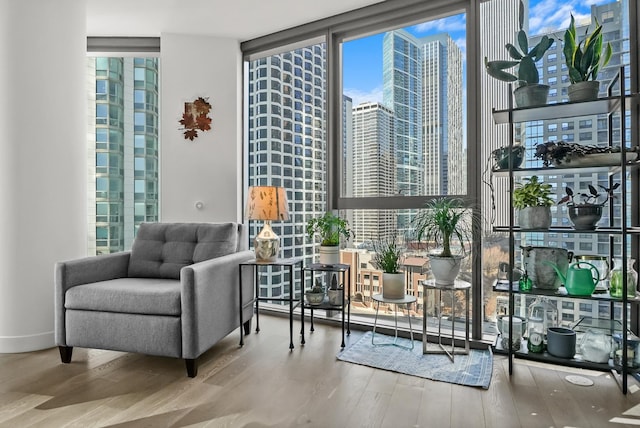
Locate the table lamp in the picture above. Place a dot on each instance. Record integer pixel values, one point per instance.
(267, 203)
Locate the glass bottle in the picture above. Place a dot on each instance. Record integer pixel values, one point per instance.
(615, 281)
(542, 315)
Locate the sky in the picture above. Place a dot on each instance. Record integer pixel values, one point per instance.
(362, 58)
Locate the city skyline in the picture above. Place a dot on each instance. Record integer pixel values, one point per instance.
(362, 58)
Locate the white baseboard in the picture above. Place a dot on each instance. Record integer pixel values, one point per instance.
(29, 343)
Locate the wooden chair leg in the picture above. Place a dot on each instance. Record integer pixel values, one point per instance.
(65, 353)
(192, 367)
(247, 327)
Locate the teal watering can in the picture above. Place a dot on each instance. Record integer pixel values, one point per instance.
(579, 281)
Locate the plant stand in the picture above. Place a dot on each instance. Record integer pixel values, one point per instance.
(406, 300)
(431, 285)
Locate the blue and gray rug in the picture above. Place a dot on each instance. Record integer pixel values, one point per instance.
(472, 370)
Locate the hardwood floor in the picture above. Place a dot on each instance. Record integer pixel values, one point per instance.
(265, 385)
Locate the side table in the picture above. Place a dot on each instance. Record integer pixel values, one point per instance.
(255, 264)
(431, 285)
(341, 269)
(406, 300)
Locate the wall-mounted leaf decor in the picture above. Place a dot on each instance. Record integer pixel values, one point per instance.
(195, 117)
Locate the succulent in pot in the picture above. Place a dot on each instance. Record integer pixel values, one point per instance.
(529, 91)
(315, 295)
(586, 212)
(584, 60)
(532, 199)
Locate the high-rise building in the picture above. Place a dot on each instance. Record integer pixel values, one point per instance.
(122, 150)
(373, 164)
(287, 147)
(442, 111)
(402, 93)
(586, 130)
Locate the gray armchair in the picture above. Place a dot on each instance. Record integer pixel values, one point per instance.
(175, 294)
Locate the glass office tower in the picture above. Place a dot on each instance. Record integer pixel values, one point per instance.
(122, 150)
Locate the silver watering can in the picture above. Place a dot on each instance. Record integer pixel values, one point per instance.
(535, 261)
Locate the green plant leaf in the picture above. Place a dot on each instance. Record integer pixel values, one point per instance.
(513, 51)
(521, 15)
(523, 41)
(527, 71)
(496, 69)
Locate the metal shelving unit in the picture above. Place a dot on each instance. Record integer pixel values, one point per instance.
(624, 231)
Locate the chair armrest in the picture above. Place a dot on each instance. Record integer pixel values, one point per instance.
(210, 300)
(84, 271)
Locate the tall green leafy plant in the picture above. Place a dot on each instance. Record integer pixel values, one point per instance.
(444, 222)
(522, 56)
(584, 59)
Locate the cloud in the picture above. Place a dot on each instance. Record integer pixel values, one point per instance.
(360, 96)
(444, 25)
(550, 16)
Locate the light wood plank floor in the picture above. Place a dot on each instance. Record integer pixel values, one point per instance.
(263, 384)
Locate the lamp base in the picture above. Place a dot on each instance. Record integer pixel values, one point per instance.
(266, 244)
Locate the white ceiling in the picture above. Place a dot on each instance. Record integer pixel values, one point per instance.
(237, 19)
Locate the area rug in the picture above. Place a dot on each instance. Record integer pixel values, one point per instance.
(472, 370)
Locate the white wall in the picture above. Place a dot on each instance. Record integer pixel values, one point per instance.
(43, 162)
(206, 169)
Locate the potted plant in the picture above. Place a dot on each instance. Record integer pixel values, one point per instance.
(533, 201)
(584, 59)
(315, 295)
(335, 292)
(504, 156)
(565, 154)
(386, 257)
(330, 228)
(529, 91)
(443, 223)
(587, 211)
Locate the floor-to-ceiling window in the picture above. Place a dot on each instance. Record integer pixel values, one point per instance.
(421, 127)
(122, 149)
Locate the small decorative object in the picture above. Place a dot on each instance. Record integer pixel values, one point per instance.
(441, 223)
(595, 346)
(586, 214)
(267, 203)
(524, 283)
(584, 59)
(533, 201)
(561, 342)
(315, 295)
(330, 228)
(334, 293)
(529, 91)
(516, 336)
(564, 154)
(503, 155)
(196, 117)
(386, 257)
(633, 354)
(615, 283)
(542, 315)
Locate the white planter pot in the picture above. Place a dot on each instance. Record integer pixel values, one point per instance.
(534, 218)
(393, 285)
(445, 269)
(329, 255)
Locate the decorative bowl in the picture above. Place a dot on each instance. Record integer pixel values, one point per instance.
(314, 298)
